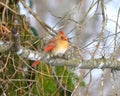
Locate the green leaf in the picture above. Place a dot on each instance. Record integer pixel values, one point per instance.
(34, 32)
(82, 84)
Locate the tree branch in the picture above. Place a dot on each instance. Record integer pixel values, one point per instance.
(44, 25)
(87, 64)
(74, 62)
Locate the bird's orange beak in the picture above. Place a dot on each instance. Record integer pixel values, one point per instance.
(65, 38)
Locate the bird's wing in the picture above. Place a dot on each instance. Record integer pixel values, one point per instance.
(49, 47)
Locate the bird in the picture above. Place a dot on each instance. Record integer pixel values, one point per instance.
(57, 45)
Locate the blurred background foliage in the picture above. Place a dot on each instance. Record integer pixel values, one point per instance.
(17, 77)
(93, 28)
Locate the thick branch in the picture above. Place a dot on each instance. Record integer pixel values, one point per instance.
(87, 64)
(28, 54)
(21, 51)
(74, 62)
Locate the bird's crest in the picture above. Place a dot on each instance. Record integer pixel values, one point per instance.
(61, 32)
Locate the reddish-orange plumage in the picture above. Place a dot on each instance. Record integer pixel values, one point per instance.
(35, 63)
(49, 47)
(57, 45)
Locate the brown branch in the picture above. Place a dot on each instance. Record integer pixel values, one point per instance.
(9, 8)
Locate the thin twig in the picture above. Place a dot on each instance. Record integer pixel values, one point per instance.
(116, 29)
(5, 62)
(45, 26)
(103, 28)
(9, 8)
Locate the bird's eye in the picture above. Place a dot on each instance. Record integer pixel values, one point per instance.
(63, 38)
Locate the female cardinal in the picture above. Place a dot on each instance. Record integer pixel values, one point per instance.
(57, 45)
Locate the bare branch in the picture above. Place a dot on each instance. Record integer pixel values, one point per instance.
(9, 8)
(45, 26)
(74, 62)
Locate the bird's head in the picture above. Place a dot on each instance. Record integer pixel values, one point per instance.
(62, 36)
